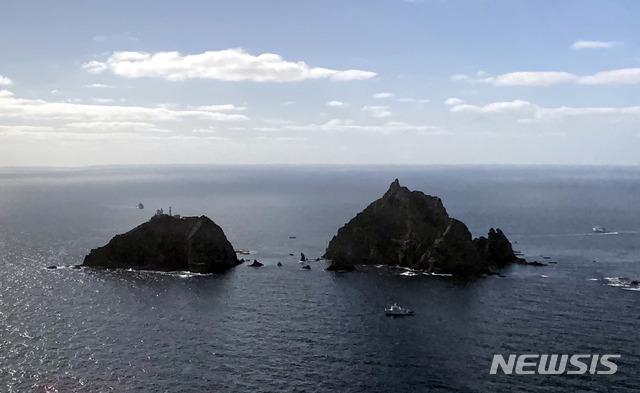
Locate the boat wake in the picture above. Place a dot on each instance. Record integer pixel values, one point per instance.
(583, 234)
(625, 283)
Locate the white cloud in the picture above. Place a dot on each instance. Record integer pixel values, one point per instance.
(98, 86)
(544, 78)
(495, 107)
(222, 108)
(478, 77)
(547, 78)
(24, 129)
(103, 100)
(347, 125)
(593, 45)
(530, 112)
(378, 111)
(453, 101)
(623, 76)
(336, 104)
(5, 81)
(64, 121)
(383, 95)
(209, 130)
(408, 99)
(32, 110)
(110, 126)
(601, 112)
(227, 65)
(278, 121)
(94, 67)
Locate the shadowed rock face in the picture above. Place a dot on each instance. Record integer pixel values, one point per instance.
(167, 243)
(409, 228)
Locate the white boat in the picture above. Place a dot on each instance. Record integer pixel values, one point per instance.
(599, 229)
(397, 311)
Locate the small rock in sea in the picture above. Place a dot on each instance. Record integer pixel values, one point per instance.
(536, 263)
(76, 267)
(306, 267)
(290, 255)
(317, 259)
(302, 257)
(279, 263)
(52, 267)
(256, 263)
(241, 261)
(340, 269)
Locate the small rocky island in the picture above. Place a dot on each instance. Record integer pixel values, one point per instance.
(411, 229)
(168, 243)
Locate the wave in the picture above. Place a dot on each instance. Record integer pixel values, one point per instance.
(180, 273)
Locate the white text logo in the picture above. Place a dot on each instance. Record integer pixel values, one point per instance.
(554, 364)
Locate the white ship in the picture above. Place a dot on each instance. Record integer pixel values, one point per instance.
(397, 311)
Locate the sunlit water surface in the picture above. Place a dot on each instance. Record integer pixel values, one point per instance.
(287, 329)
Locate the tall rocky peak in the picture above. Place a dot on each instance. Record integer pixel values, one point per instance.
(401, 197)
(395, 187)
(409, 228)
(168, 243)
(499, 249)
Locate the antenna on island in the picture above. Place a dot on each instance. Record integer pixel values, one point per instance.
(170, 211)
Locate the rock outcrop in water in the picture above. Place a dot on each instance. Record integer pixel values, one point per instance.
(168, 243)
(256, 263)
(411, 229)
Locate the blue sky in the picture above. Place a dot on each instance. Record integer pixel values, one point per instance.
(307, 82)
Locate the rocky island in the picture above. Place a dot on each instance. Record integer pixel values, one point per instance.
(168, 243)
(411, 229)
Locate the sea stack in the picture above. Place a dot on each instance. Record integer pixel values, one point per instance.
(411, 229)
(167, 243)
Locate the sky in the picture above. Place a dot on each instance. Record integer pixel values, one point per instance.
(115, 82)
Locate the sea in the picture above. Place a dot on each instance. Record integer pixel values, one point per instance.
(284, 329)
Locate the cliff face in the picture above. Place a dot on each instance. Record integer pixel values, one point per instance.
(409, 228)
(167, 243)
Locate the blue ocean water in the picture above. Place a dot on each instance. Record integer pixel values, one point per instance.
(286, 329)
